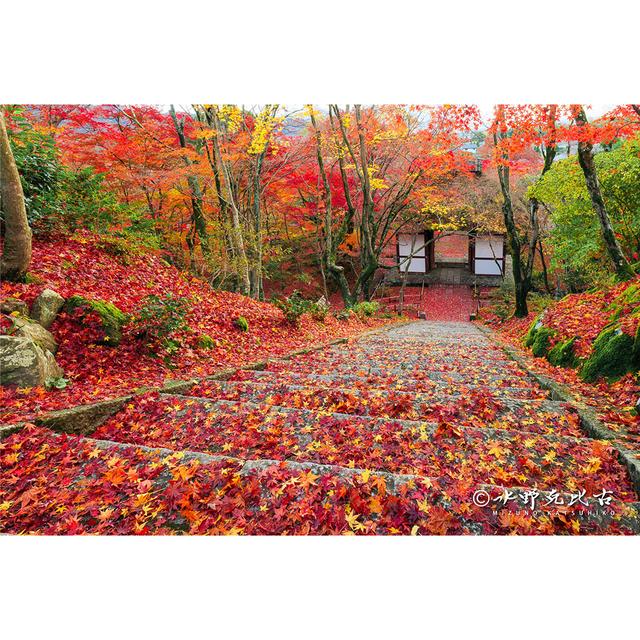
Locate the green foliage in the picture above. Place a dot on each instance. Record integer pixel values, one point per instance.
(614, 354)
(562, 354)
(241, 323)
(293, 307)
(365, 309)
(206, 342)
(111, 318)
(344, 315)
(578, 249)
(540, 344)
(160, 317)
(40, 170)
(56, 383)
(85, 202)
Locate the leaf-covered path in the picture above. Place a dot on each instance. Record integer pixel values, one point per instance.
(424, 428)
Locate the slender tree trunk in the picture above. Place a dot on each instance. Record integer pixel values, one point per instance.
(16, 251)
(257, 218)
(198, 221)
(545, 273)
(585, 157)
(236, 236)
(334, 270)
(515, 246)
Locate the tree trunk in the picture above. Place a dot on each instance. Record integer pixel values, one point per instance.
(16, 251)
(334, 270)
(198, 221)
(513, 241)
(545, 273)
(585, 157)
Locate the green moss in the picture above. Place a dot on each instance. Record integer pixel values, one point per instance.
(540, 344)
(614, 354)
(111, 317)
(533, 329)
(206, 342)
(32, 278)
(241, 323)
(630, 296)
(562, 355)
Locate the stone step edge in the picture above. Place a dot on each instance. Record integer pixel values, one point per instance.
(85, 418)
(589, 421)
(438, 384)
(430, 427)
(250, 464)
(558, 405)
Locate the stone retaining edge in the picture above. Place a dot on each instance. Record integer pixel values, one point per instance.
(589, 421)
(84, 419)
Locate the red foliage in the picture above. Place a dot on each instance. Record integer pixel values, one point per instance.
(75, 266)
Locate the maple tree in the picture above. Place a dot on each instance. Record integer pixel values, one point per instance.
(177, 222)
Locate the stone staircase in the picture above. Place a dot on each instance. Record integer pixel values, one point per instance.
(409, 430)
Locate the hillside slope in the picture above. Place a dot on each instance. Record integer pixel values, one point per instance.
(590, 342)
(96, 269)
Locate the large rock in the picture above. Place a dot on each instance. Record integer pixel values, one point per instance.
(24, 364)
(111, 318)
(25, 328)
(46, 307)
(14, 305)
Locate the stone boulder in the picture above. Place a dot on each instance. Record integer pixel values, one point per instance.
(110, 317)
(14, 305)
(24, 364)
(26, 328)
(46, 307)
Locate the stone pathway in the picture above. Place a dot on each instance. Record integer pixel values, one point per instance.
(435, 411)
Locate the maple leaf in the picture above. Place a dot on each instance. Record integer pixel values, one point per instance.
(352, 519)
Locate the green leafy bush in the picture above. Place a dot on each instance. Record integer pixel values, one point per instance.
(56, 383)
(241, 323)
(365, 309)
(293, 307)
(206, 342)
(161, 317)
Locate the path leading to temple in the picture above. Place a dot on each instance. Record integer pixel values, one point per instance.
(423, 428)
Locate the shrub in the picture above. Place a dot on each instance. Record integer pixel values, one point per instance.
(293, 307)
(160, 317)
(365, 309)
(319, 310)
(344, 315)
(241, 323)
(56, 383)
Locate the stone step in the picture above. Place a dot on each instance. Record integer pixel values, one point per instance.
(485, 455)
(535, 416)
(413, 384)
(108, 487)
